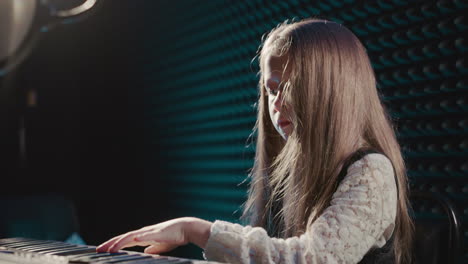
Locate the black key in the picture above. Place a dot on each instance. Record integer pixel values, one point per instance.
(97, 257)
(33, 244)
(104, 255)
(168, 261)
(147, 261)
(119, 259)
(41, 246)
(140, 261)
(38, 250)
(113, 258)
(161, 259)
(175, 261)
(72, 251)
(93, 253)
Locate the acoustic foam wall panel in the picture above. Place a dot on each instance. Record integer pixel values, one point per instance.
(201, 90)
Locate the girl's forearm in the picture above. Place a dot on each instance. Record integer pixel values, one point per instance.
(198, 231)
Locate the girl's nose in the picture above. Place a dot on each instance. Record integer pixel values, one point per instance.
(278, 101)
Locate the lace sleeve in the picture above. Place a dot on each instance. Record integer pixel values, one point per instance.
(361, 215)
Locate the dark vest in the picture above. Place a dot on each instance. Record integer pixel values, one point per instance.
(383, 255)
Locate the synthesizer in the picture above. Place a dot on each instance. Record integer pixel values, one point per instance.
(33, 251)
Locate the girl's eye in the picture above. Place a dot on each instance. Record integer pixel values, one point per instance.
(272, 91)
(272, 86)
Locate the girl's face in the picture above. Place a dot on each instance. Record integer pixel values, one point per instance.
(275, 75)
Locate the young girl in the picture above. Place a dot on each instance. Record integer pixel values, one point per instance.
(328, 183)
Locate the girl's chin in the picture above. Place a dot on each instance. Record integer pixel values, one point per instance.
(284, 134)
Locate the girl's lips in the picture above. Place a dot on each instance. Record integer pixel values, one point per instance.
(283, 123)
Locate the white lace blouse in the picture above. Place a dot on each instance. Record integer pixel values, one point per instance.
(361, 216)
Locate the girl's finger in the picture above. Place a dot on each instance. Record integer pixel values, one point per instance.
(159, 248)
(105, 246)
(126, 240)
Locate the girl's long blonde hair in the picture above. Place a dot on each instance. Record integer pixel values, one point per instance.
(337, 110)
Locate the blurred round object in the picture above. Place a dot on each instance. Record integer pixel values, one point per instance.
(16, 19)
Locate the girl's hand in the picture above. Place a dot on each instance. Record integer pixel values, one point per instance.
(162, 237)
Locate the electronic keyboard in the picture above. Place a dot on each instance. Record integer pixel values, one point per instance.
(33, 251)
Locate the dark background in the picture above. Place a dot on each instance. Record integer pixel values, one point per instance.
(84, 133)
(79, 100)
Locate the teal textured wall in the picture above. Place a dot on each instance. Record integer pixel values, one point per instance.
(200, 91)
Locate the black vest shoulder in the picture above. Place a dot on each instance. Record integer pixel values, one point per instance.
(385, 254)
